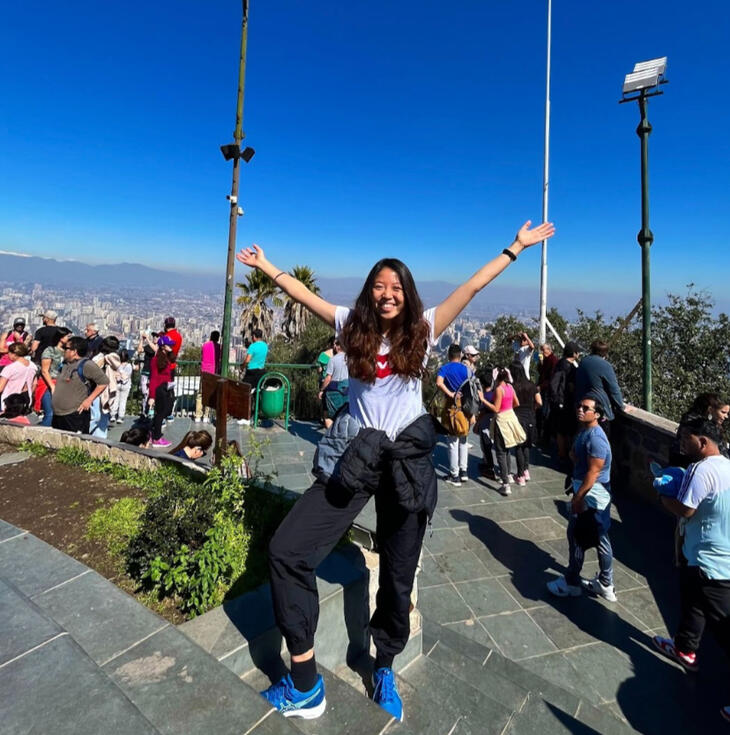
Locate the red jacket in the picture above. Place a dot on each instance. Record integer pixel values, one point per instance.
(177, 340)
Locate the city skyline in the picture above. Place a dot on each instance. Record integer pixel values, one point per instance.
(412, 132)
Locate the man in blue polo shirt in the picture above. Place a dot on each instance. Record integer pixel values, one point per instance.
(449, 379)
(591, 455)
(703, 508)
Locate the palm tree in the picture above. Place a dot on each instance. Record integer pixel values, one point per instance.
(256, 291)
(296, 315)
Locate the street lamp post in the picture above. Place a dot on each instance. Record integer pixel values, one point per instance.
(641, 84)
(233, 152)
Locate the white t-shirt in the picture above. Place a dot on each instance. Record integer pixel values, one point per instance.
(337, 367)
(393, 401)
(524, 355)
(706, 488)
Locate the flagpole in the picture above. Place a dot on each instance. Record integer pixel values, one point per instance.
(545, 180)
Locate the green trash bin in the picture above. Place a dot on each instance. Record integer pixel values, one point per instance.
(271, 400)
(273, 392)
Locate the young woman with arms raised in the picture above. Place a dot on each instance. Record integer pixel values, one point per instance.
(387, 337)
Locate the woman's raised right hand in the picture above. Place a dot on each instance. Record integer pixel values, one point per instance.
(253, 257)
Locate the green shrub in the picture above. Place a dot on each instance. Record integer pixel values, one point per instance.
(116, 524)
(74, 456)
(201, 578)
(180, 515)
(34, 448)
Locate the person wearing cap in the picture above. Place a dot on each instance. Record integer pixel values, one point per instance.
(702, 505)
(93, 339)
(16, 334)
(45, 336)
(470, 356)
(177, 340)
(162, 397)
(174, 335)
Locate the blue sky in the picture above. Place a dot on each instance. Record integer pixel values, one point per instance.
(405, 129)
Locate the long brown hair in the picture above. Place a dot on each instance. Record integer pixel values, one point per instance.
(361, 335)
(163, 359)
(201, 439)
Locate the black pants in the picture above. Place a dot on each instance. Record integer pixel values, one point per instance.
(164, 401)
(72, 422)
(252, 377)
(703, 601)
(503, 455)
(308, 534)
(486, 445)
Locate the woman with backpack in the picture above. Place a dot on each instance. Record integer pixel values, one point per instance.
(381, 445)
(528, 401)
(16, 335)
(19, 375)
(162, 397)
(449, 380)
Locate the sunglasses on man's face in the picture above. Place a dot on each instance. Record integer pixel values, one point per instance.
(584, 408)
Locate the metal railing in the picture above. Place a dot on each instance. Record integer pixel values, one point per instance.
(303, 379)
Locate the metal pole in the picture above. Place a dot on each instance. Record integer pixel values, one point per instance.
(545, 182)
(645, 238)
(238, 136)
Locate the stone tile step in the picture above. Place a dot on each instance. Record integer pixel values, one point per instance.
(348, 710)
(56, 688)
(243, 636)
(13, 458)
(436, 703)
(539, 716)
(511, 683)
(179, 688)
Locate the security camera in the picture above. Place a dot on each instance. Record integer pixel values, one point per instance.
(232, 199)
(240, 211)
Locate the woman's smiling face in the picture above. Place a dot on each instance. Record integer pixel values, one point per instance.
(388, 295)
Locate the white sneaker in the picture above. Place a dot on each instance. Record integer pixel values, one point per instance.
(560, 588)
(510, 478)
(243, 422)
(205, 419)
(594, 586)
(505, 489)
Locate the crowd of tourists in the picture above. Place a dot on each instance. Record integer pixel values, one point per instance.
(82, 383)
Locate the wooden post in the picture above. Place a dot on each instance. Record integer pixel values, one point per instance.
(221, 419)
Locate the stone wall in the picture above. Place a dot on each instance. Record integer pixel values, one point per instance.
(141, 459)
(638, 438)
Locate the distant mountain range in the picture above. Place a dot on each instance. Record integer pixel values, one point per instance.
(18, 268)
(496, 299)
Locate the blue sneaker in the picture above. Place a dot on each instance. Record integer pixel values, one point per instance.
(293, 703)
(385, 693)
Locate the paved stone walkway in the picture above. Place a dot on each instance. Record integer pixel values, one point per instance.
(485, 564)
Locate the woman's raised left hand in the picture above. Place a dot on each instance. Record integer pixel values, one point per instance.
(527, 236)
(253, 257)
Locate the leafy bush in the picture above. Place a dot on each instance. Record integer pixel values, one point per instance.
(201, 578)
(116, 524)
(34, 448)
(195, 540)
(180, 515)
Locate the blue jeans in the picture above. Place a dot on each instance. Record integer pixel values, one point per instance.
(47, 406)
(99, 420)
(605, 552)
